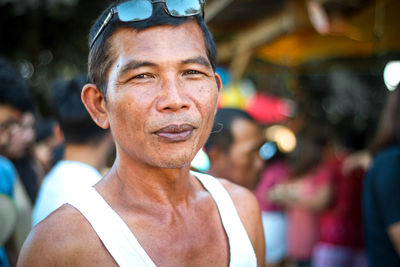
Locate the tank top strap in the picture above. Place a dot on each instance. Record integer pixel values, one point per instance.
(241, 250)
(112, 230)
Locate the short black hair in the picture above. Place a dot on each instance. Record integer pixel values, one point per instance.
(44, 129)
(75, 122)
(100, 55)
(221, 135)
(14, 90)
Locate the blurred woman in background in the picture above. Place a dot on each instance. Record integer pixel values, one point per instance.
(381, 190)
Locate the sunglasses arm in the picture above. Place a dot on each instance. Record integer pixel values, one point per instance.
(106, 21)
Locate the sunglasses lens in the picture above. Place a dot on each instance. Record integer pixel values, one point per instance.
(181, 8)
(134, 10)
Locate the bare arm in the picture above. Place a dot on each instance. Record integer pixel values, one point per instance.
(290, 196)
(394, 235)
(250, 214)
(318, 201)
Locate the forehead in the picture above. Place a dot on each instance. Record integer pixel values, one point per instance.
(9, 113)
(159, 42)
(245, 130)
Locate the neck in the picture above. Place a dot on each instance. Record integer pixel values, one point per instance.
(133, 181)
(93, 155)
(218, 172)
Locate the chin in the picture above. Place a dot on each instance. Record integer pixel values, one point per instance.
(174, 161)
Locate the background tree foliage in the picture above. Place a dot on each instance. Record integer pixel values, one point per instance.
(47, 39)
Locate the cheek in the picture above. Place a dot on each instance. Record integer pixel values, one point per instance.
(123, 119)
(241, 157)
(205, 98)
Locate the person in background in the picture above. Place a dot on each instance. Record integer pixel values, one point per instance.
(8, 179)
(28, 167)
(233, 147)
(304, 195)
(274, 219)
(49, 148)
(87, 148)
(381, 189)
(341, 241)
(16, 105)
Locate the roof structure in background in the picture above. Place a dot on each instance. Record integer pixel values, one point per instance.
(296, 32)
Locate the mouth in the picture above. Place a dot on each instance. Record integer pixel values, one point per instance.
(175, 133)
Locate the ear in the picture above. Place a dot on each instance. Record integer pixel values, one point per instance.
(216, 156)
(95, 103)
(57, 132)
(218, 80)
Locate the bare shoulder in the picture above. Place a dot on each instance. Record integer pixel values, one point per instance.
(61, 239)
(250, 214)
(244, 200)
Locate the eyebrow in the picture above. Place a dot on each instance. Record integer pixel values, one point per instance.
(197, 60)
(134, 64)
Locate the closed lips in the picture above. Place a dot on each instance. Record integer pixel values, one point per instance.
(175, 133)
(174, 128)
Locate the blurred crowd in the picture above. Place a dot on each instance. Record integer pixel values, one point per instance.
(43, 161)
(329, 202)
(324, 204)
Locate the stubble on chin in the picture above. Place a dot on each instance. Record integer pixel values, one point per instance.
(175, 160)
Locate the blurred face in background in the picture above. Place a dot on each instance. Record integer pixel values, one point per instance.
(243, 163)
(16, 132)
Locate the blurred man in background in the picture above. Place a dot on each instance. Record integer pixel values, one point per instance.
(233, 147)
(87, 148)
(16, 137)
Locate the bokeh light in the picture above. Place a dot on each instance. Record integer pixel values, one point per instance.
(267, 150)
(201, 161)
(391, 74)
(282, 136)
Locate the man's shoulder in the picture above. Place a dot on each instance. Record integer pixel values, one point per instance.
(238, 193)
(245, 202)
(63, 234)
(61, 226)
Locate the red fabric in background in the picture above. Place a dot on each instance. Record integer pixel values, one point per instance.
(267, 109)
(341, 224)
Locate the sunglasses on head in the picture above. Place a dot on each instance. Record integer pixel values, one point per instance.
(137, 10)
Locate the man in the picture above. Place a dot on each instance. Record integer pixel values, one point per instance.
(87, 148)
(17, 131)
(16, 103)
(233, 147)
(156, 89)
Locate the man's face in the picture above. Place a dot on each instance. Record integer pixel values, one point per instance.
(162, 94)
(16, 133)
(243, 161)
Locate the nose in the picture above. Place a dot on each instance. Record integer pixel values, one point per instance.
(28, 134)
(172, 97)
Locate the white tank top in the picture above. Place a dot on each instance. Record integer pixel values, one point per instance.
(126, 250)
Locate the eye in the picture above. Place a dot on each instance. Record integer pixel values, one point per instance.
(143, 76)
(192, 72)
